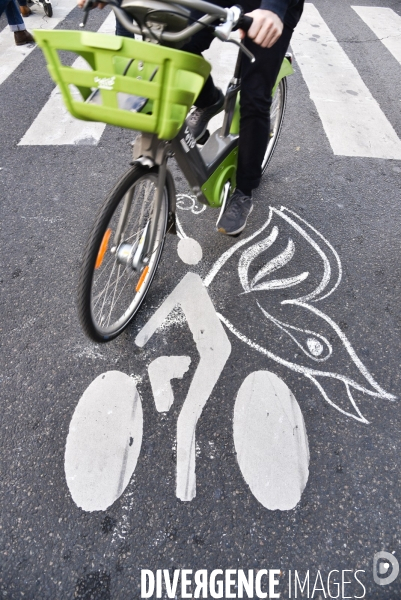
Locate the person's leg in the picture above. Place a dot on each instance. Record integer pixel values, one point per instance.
(3, 6)
(197, 45)
(15, 21)
(211, 99)
(257, 82)
(120, 30)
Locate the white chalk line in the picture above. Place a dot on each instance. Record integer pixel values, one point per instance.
(336, 256)
(284, 326)
(308, 372)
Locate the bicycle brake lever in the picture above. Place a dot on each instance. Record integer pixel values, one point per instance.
(243, 48)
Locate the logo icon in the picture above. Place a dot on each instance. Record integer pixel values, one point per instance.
(105, 83)
(385, 568)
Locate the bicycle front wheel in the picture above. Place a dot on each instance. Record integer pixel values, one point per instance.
(276, 120)
(47, 7)
(118, 266)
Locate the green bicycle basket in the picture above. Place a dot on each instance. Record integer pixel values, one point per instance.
(123, 76)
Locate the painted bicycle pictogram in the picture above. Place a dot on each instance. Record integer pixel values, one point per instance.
(269, 432)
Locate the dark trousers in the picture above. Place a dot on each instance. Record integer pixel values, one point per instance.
(257, 82)
(13, 15)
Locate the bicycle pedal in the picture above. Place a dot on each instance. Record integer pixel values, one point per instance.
(204, 138)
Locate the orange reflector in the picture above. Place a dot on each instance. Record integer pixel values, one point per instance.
(142, 278)
(103, 248)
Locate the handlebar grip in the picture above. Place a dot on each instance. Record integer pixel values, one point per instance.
(244, 23)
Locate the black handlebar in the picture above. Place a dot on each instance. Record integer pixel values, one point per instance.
(244, 23)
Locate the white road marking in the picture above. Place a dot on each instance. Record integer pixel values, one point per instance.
(104, 441)
(11, 56)
(55, 126)
(189, 250)
(213, 347)
(271, 441)
(352, 119)
(161, 372)
(386, 24)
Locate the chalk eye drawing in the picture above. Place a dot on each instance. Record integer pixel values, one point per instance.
(307, 288)
(270, 438)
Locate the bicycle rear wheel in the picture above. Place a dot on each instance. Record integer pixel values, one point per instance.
(110, 289)
(276, 120)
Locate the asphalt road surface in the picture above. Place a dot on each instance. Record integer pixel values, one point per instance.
(296, 450)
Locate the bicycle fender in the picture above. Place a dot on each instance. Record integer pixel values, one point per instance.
(285, 70)
(172, 199)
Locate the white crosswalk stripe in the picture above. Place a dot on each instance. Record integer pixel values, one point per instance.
(11, 56)
(352, 119)
(386, 24)
(55, 126)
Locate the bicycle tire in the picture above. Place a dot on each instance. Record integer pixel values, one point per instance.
(104, 309)
(276, 121)
(47, 7)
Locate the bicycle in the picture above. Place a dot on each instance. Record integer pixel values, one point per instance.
(149, 87)
(46, 5)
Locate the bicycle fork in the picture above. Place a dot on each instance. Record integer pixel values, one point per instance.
(137, 255)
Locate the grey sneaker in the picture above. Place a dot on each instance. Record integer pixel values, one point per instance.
(235, 215)
(200, 117)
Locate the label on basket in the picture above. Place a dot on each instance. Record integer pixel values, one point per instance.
(105, 83)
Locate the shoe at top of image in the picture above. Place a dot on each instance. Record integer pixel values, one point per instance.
(25, 11)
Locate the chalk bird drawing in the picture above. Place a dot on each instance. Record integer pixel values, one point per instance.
(296, 262)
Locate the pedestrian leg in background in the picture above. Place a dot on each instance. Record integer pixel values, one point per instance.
(16, 22)
(24, 8)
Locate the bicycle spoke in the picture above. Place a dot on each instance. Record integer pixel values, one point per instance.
(101, 294)
(114, 294)
(108, 284)
(121, 291)
(107, 287)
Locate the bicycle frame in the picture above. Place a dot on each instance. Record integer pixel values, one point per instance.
(211, 170)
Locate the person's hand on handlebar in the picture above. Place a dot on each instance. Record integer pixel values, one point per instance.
(266, 28)
(81, 3)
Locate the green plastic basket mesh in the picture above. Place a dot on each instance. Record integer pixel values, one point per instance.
(116, 77)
